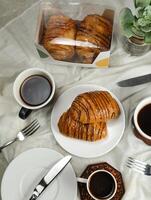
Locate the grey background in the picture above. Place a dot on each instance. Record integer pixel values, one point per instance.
(9, 9)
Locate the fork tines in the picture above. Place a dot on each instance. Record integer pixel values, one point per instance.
(31, 128)
(136, 165)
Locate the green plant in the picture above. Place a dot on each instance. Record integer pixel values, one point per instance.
(137, 24)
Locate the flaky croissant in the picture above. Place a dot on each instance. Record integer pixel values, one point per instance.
(75, 129)
(94, 35)
(92, 107)
(97, 25)
(59, 37)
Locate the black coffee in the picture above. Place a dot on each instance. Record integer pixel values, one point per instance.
(35, 90)
(102, 185)
(144, 119)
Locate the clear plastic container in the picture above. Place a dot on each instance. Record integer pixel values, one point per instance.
(75, 32)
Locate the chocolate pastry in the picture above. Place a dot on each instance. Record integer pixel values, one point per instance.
(75, 129)
(93, 36)
(59, 37)
(93, 107)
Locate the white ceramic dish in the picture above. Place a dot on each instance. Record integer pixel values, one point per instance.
(26, 170)
(84, 148)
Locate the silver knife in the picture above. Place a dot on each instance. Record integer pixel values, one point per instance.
(49, 177)
(135, 81)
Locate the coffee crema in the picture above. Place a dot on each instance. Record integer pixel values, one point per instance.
(144, 119)
(35, 90)
(102, 185)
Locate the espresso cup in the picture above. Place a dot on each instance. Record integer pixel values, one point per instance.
(141, 120)
(33, 89)
(101, 185)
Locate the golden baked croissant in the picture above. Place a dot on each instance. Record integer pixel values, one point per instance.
(75, 129)
(92, 107)
(97, 25)
(94, 35)
(60, 28)
(90, 48)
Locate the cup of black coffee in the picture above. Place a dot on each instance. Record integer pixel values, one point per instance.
(141, 120)
(33, 89)
(101, 185)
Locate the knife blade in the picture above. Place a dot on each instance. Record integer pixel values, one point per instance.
(135, 81)
(49, 177)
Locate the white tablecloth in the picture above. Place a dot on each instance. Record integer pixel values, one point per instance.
(17, 52)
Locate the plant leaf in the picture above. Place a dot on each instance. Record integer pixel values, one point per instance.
(142, 3)
(147, 38)
(146, 29)
(139, 12)
(138, 32)
(147, 13)
(135, 23)
(126, 22)
(143, 22)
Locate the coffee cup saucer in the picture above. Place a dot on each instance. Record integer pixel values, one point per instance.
(99, 166)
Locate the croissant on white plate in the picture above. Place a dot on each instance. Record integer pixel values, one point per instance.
(95, 106)
(75, 129)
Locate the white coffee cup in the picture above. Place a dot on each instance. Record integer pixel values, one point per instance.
(137, 130)
(87, 182)
(19, 81)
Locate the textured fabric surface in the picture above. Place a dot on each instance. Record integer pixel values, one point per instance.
(17, 53)
(11, 9)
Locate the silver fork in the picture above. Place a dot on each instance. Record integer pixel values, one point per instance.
(27, 131)
(139, 166)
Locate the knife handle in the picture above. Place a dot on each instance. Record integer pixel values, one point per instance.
(33, 197)
(38, 190)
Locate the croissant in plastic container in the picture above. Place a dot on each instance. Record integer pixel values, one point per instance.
(97, 24)
(92, 107)
(59, 37)
(94, 34)
(75, 129)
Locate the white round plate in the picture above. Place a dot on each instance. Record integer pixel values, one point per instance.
(26, 170)
(83, 148)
